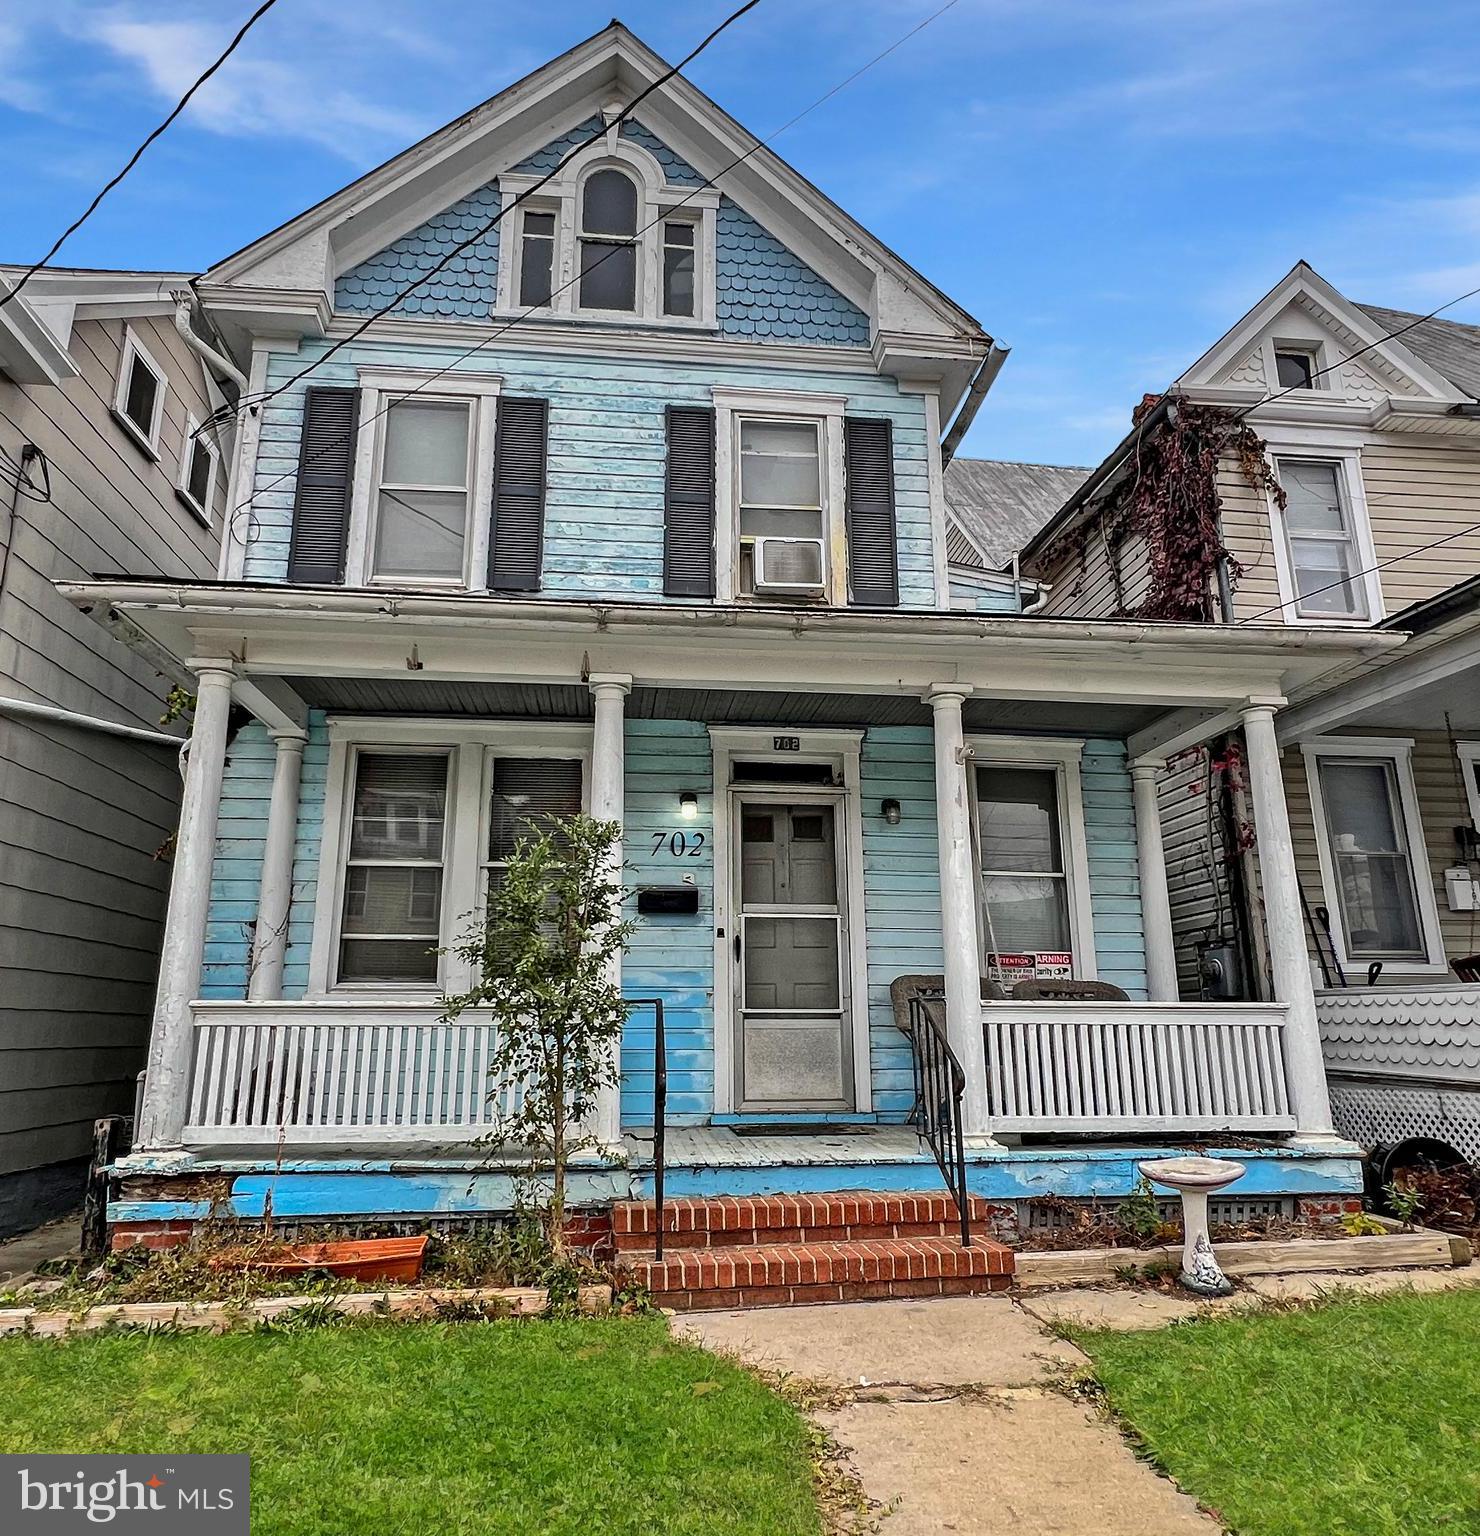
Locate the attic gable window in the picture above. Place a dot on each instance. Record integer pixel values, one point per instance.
(1295, 367)
(610, 240)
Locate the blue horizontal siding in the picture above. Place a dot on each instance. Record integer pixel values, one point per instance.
(1114, 881)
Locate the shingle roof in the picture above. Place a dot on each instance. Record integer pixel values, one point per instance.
(1446, 345)
(995, 506)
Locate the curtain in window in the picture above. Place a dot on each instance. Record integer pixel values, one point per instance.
(1372, 861)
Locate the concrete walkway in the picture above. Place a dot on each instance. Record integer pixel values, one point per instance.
(20, 1255)
(947, 1414)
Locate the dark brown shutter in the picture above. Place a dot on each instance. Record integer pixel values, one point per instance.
(517, 542)
(326, 459)
(688, 505)
(868, 462)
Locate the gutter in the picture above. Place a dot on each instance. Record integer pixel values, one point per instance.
(985, 377)
(227, 600)
(24, 709)
(184, 304)
(1430, 612)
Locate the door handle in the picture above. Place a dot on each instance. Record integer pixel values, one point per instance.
(737, 943)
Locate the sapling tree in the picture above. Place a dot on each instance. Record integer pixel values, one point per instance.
(543, 962)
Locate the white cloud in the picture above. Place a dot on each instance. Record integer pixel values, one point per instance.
(254, 95)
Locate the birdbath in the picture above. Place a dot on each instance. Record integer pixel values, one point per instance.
(1195, 1178)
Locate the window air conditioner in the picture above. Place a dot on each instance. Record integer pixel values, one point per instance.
(792, 566)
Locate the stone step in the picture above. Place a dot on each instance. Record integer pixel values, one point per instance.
(789, 1274)
(730, 1221)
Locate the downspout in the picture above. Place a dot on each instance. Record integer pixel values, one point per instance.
(991, 366)
(184, 303)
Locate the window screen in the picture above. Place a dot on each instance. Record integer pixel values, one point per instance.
(609, 242)
(392, 916)
(1024, 881)
(537, 260)
(678, 268)
(1371, 859)
(422, 506)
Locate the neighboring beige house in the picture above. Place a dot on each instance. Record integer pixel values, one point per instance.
(1374, 440)
(100, 393)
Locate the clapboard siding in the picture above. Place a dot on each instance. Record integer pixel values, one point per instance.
(1100, 583)
(1442, 806)
(83, 815)
(604, 497)
(1197, 877)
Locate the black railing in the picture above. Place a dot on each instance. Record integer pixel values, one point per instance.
(940, 1092)
(660, 1109)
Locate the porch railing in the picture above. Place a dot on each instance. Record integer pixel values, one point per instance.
(332, 1071)
(1151, 1067)
(940, 1093)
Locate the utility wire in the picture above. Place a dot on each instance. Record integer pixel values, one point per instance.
(478, 234)
(134, 159)
(246, 503)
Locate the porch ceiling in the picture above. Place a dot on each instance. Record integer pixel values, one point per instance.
(528, 701)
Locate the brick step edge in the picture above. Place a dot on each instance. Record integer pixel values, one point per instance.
(744, 1267)
(777, 1219)
(742, 1297)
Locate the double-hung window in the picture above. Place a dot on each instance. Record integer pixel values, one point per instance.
(609, 241)
(198, 463)
(781, 522)
(1374, 867)
(418, 836)
(423, 491)
(1326, 555)
(679, 240)
(536, 259)
(1032, 870)
(394, 868)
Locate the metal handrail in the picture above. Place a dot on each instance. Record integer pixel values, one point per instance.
(660, 1110)
(940, 1093)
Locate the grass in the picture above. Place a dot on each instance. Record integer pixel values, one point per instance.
(465, 1429)
(1350, 1418)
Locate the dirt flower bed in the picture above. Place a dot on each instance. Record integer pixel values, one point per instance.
(217, 1266)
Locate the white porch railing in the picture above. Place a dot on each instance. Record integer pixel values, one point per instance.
(1152, 1067)
(337, 1071)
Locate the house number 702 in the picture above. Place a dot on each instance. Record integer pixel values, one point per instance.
(680, 845)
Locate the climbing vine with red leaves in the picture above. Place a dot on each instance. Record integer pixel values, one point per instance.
(1170, 500)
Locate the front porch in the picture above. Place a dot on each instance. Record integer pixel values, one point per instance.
(855, 797)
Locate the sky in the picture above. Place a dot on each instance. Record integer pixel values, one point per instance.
(1106, 184)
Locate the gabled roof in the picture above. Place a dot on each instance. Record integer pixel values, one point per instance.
(1449, 346)
(994, 506)
(306, 254)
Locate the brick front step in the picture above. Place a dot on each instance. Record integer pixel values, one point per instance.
(761, 1275)
(773, 1220)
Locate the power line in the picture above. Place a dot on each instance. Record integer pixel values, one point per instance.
(479, 234)
(134, 159)
(246, 503)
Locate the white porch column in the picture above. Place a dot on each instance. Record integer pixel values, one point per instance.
(275, 895)
(1282, 916)
(1151, 864)
(963, 967)
(171, 1039)
(609, 691)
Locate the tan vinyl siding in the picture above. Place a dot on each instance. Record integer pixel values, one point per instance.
(1101, 586)
(1197, 878)
(1249, 537)
(83, 814)
(1442, 806)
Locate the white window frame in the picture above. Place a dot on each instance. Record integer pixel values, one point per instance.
(1348, 463)
(133, 347)
(657, 201)
(473, 746)
(1469, 763)
(380, 388)
(1397, 750)
(182, 486)
(1064, 758)
(731, 407)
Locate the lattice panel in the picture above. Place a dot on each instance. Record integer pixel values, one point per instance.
(1369, 1113)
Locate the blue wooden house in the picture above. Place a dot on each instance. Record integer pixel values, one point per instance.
(593, 460)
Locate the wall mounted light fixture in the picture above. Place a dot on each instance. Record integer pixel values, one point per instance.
(688, 805)
(890, 809)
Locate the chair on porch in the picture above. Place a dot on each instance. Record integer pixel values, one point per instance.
(1467, 969)
(904, 989)
(1069, 991)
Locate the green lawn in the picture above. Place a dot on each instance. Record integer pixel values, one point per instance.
(1358, 1418)
(457, 1429)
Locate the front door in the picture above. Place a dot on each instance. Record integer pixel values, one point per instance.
(792, 1008)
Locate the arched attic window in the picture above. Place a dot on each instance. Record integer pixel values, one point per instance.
(608, 241)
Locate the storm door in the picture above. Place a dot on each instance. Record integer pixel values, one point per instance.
(791, 1004)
